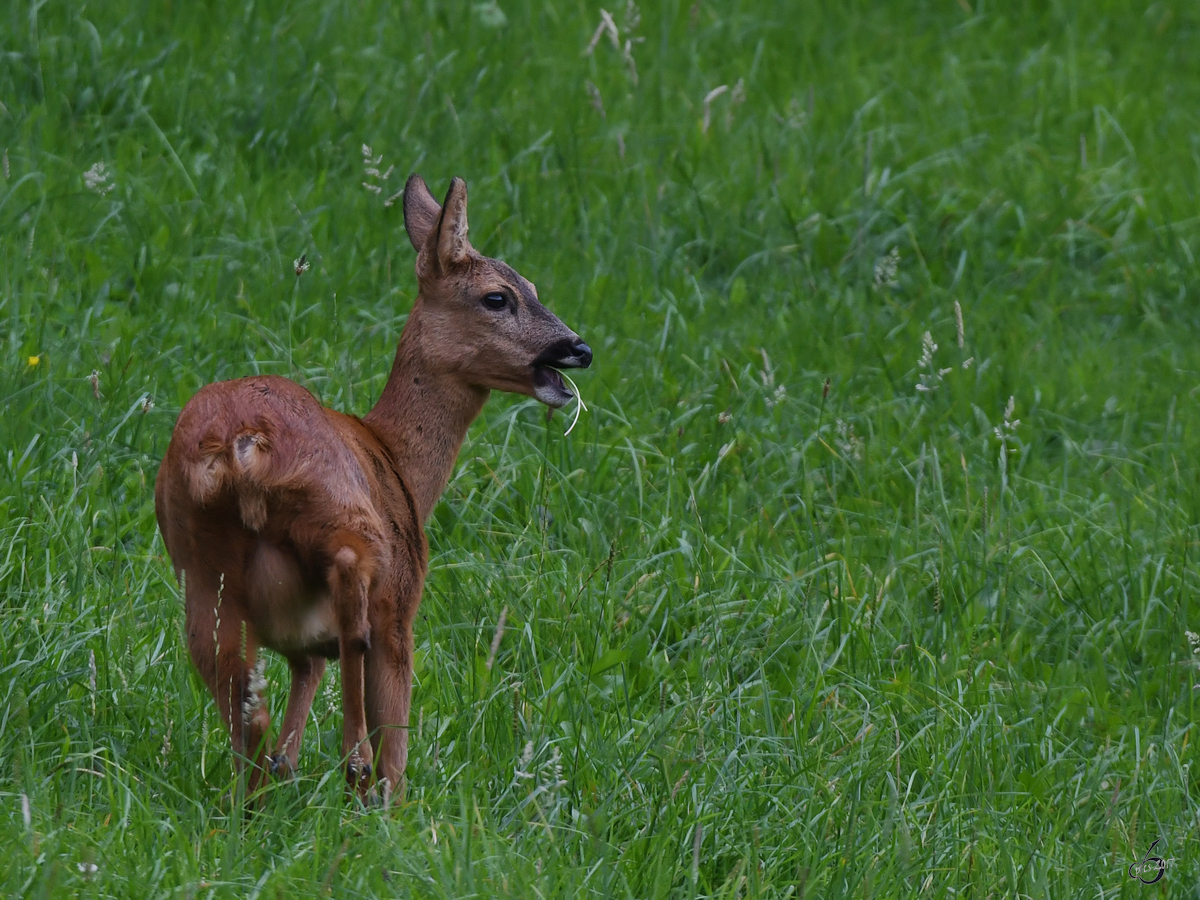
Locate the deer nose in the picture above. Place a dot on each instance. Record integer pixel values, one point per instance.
(583, 353)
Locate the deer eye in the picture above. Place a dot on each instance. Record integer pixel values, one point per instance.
(495, 300)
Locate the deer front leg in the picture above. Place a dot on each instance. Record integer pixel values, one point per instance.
(350, 587)
(389, 698)
(306, 678)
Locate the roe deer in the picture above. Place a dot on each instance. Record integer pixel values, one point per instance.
(298, 528)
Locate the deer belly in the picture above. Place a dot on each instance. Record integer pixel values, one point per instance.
(292, 614)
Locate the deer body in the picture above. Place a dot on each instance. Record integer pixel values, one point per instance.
(301, 529)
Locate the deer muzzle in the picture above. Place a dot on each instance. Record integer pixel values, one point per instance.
(548, 385)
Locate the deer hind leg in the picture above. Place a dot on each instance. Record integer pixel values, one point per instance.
(224, 650)
(306, 678)
(389, 696)
(350, 585)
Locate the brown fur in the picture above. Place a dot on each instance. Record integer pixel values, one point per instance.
(301, 529)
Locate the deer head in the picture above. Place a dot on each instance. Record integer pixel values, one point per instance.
(482, 321)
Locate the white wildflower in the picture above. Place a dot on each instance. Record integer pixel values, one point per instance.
(886, 269)
(777, 396)
(96, 179)
(848, 443)
(87, 868)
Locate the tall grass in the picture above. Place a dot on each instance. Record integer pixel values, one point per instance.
(803, 607)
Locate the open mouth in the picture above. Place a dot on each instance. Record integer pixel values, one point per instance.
(548, 384)
(549, 387)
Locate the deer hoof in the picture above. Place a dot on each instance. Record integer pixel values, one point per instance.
(280, 766)
(358, 771)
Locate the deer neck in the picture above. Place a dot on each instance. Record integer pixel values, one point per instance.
(423, 416)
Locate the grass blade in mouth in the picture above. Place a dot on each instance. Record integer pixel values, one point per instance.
(579, 404)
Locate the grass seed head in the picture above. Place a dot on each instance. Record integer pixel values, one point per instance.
(580, 406)
(596, 100)
(708, 101)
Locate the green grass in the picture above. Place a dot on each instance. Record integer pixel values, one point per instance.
(763, 639)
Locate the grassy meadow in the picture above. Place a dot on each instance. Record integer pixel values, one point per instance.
(869, 571)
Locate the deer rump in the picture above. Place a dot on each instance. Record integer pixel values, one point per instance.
(305, 483)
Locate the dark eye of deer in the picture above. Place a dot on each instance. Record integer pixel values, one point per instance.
(495, 300)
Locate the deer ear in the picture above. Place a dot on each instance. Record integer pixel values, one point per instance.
(421, 211)
(453, 249)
